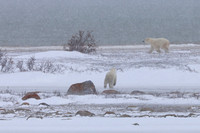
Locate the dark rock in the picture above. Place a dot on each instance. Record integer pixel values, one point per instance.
(31, 95)
(45, 104)
(125, 115)
(83, 88)
(108, 92)
(135, 124)
(137, 93)
(84, 113)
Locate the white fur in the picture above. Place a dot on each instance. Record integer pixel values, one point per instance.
(157, 44)
(111, 78)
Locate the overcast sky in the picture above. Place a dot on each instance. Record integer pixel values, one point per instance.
(114, 22)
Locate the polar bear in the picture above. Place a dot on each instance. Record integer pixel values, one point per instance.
(157, 44)
(111, 78)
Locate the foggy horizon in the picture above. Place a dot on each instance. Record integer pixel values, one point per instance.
(113, 22)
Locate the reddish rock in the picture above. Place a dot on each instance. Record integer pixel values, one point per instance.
(108, 92)
(125, 115)
(83, 88)
(31, 95)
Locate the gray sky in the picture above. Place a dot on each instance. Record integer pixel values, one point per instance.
(113, 22)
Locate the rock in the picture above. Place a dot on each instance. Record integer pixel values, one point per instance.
(110, 114)
(84, 113)
(135, 124)
(68, 114)
(8, 112)
(146, 109)
(44, 104)
(125, 115)
(137, 93)
(132, 108)
(108, 92)
(22, 109)
(25, 103)
(31, 95)
(83, 88)
(1, 109)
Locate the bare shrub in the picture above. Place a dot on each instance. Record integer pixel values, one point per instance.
(83, 42)
(50, 67)
(3, 63)
(3, 53)
(31, 63)
(7, 64)
(57, 93)
(20, 66)
(47, 67)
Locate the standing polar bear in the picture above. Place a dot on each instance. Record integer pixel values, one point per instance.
(157, 44)
(111, 78)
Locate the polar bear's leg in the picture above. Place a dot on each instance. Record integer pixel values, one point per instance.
(151, 50)
(105, 83)
(115, 80)
(111, 84)
(165, 47)
(166, 50)
(158, 50)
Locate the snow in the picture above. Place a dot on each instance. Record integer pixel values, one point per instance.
(177, 71)
(101, 125)
(143, 78)
(117, 99)
(136, 69)
(55, 55)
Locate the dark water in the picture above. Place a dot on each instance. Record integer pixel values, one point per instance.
(113, 22)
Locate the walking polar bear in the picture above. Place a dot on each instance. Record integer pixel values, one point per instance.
(157, 44)
(111, 78)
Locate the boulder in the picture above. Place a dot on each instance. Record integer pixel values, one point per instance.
(137, 92)
(31, 95)
(108, 92)
(135, 124)
(83, 88)
(44, 104)
(84, 113)
(25, 103)
(125, 115)
(146, 109)
(110, 114)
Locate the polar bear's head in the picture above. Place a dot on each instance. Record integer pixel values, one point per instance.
(148, 40)
(113, 70)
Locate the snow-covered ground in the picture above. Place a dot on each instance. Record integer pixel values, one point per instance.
(168, 82)
(137, 69)
(101, 125)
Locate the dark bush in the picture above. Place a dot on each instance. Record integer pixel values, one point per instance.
(3, 53)
(83, 42)
(7, 64)
(20, 66)
(31, 63)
